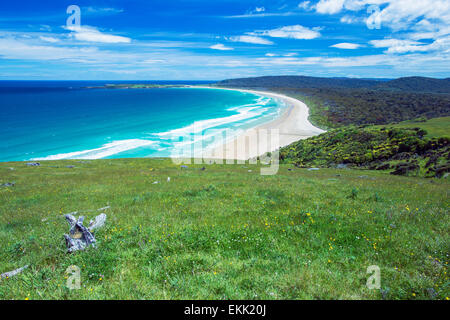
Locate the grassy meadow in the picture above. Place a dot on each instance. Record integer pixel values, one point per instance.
(436, 127)
(223, 233)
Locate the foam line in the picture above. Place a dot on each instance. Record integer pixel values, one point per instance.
(106, 150)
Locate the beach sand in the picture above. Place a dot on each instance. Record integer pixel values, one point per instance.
(293, 125)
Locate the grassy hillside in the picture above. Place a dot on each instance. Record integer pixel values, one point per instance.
(223, 233)
(435, 128)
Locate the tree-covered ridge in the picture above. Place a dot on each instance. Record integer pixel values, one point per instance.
(299, 82)
(336, 102)
(417, 84)
(401, 151)
(339, 107)
(411, 84)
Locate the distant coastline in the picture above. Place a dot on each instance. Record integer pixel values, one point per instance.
(137, 86)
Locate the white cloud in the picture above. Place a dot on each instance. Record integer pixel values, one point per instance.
(396, 14)
(386, 43)
(227, 63)
(412, 63)
(250, 39)
(410, 21)
(15, 49)
(164, 62)
(330, 6)
(91, 34)
(49, 39)
(153, 61)
(403, 45)
(97, 10)
(434, 33)
(346, 45)
(261, 9)
(45, 27)
(291, 32)
(305, 5)
(221, 47)
(350, 19)
(263, 14)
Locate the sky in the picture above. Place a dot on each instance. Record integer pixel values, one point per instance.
(223, 39)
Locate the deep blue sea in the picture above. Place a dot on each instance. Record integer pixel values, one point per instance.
(48, 120)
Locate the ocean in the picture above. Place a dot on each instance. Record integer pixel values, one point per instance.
(52, 120)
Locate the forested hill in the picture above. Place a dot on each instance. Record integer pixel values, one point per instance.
(417, 84)
(409, 84)
(299, 82)
(337, 102)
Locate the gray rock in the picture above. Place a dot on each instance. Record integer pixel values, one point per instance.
(33, 164)
(313, 169)
(8, 184)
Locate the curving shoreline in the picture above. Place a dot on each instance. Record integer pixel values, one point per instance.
(293, 125)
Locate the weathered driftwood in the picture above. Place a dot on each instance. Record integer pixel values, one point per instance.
(80, 237)
(98, 222)
(76, 213)
(12, 273)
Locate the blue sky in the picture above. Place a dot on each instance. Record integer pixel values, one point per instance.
(221, 39)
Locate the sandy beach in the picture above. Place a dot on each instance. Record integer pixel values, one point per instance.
(292, 124)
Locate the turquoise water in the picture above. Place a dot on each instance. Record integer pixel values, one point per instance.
(60, 122)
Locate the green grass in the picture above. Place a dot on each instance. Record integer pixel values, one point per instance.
(223, 233)
(436, 127)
